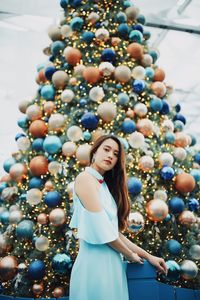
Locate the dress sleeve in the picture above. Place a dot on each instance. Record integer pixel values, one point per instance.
(94, 227)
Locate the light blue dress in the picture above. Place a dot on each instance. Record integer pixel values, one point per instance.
(99, 272)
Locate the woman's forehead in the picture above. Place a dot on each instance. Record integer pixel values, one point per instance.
(111, 143)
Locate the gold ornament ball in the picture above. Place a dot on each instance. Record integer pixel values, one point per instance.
(57, 217)
(184, 183)
(157, 210)
(58, 292)
(8, 268)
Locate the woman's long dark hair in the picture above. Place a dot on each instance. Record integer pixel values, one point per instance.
(116, 180)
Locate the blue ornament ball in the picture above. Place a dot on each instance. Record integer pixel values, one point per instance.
(89, 121)
(196, 174)
(136, 36)
(8, 163)
(123, 98)
(64, 3)
(170, 137)
(49, 71)
(57, 47)
(83, 102)
(197, 158)
(141, 19)
(138, 27)
(149, 72)
(180, 118)
(134, 186)
(178, 107)
(25, 229)
(76, 24)
(61, 263)
(3, 185)
(178, 126)
(167, 218)
(154, 54)
(138, 86)
(18, 135)
(128, 126)
(88, 36)
(23, 122)
(176, 205)
(167, 173)
(194, 140)
(146, 35)
(52, 144)
(87, 136)
(52, 199)
(193, 204)
(108, 55)
(48, 92)
(75, 3)
(173, 270)
(165, 109)
(35, 182)
(37, 144)
(156, 104)
(123, 30)
(127, 3)
(121, 17)
(4, 217)
(36, 270)
(174, 247)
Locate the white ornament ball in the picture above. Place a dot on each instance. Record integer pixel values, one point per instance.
(79, 69)
(106, 68)
(107, 111)
(23, 143)
(138, 73)
(166, 158)
(189, 269)
(66, 31)
(180, 153)
(60, 79)
(54, 167)
(167, 125)
(33, 112)
(69, 149)
(83, 154)
(102, 34)
(160, 194)
(42, 243)
(34, 196)
(146, 163)
(136, 140)
(96, 93)
(123, 73)
(15, 217)
(23, 105)
(140, 109)
(56, 122)
(67, 96)
(93, 17)
(147, 60)
(195, 252)
(74, 133)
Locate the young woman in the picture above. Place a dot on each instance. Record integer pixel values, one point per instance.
(101, 209)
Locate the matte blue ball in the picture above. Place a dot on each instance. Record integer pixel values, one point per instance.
(197, 158)
(88, 36)
(167, 218)
(4, 217)
(37, 144)
(87, 136)
(89, 121)
(167, 173)
(178, 125)
(178, 107)
(196, 174)
(52, 144)
(128, 126)
(18, 135)
(194, 140)
(22, 197)
(75, 3)
(123, 99)
(52, 199)
(138, 27)
(83, 102)
(61, 263)
(146, 35)
(123, 30)
(48, 92)
(118, 86)
(3, 185)
(176, 205)
(134, 186)
(193, 204)
(149, 72)
(170, 137)
(76, 24)
(40, 67)
(8, 163)
(136, 36)
(36, 270)
(57, 47)
(121, 17)
(35, 182)
(23, 122)
(25, 229)
(156, 104)
(141, 19)
(49, 71)
(174, 247)
(180, 118)
(165, 109)
(138, 86)
(154, 55)
(174, 270)
(127, 3)
(108, 55)
(64, 3)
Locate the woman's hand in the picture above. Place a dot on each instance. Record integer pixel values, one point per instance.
(134, 257)
(159, 263)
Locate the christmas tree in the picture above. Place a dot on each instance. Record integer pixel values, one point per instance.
(101, 77)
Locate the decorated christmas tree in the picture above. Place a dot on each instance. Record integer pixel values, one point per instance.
(100, 77)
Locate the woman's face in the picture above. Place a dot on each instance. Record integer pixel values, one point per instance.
(107, 154)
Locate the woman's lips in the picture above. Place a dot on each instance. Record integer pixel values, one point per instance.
(107, 161)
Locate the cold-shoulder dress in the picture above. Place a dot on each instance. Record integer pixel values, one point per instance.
(99, 272)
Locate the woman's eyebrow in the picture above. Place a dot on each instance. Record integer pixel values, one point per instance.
(110, 147)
